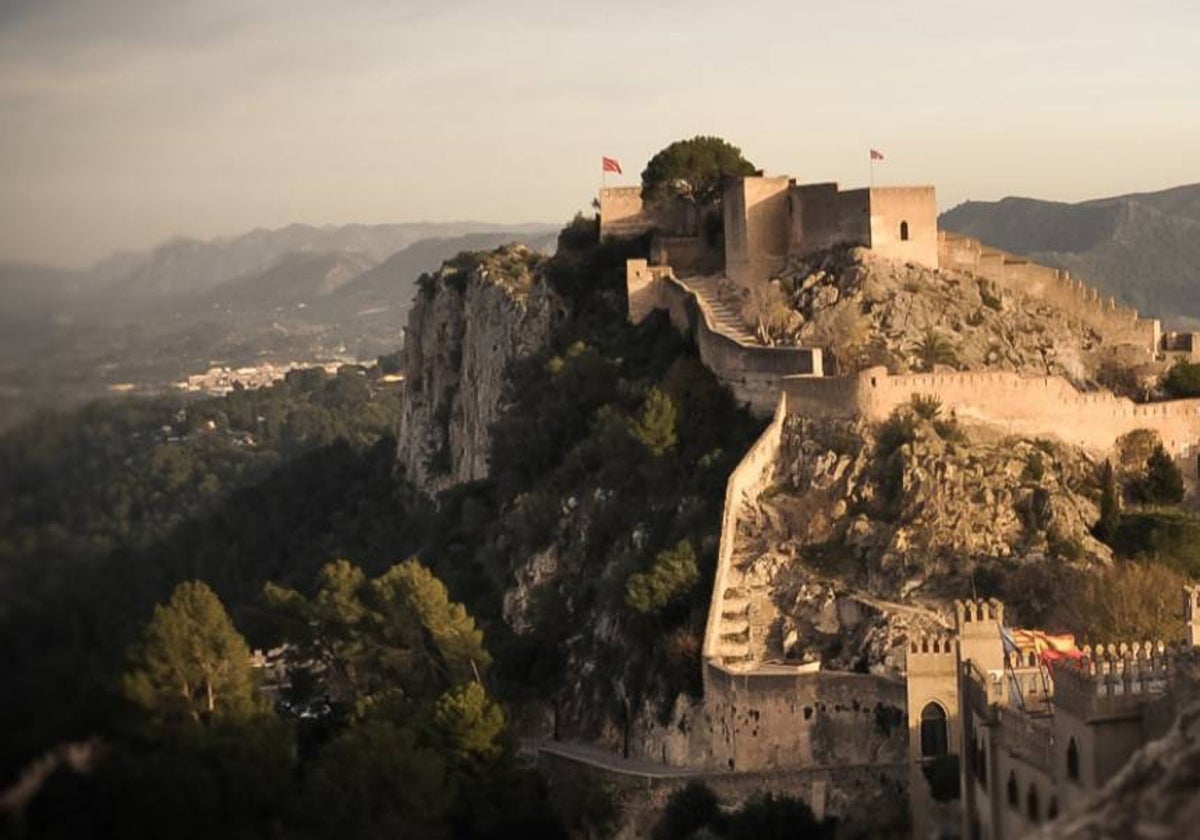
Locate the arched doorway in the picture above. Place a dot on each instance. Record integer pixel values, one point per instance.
(934, 743)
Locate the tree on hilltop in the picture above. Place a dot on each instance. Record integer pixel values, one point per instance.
(692, 170)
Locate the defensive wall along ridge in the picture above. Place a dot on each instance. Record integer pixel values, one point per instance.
(1117, 324)
(762, 716)
(1041, 406)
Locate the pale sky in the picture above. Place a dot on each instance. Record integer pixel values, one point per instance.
(125, 122)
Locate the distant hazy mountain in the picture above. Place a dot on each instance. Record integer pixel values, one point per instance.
(34, 290)
(1142, 248)
(294, 279)
(299, 294)
(190, 265)
(392, 283)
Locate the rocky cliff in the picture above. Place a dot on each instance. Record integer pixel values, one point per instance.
(470, 319)
(868, 532)
(866, 310)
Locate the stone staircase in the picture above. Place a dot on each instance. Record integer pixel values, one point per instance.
(725, 319)
(741, 630)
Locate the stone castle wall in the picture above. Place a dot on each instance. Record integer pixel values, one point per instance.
(898, 211)
(1117, 324)
(752, 372)
(1038, 406)
(760, 720)
(861, 796)
(622, 212)
(757, 228)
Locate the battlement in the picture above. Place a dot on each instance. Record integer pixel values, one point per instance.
(932, 645)
(1037, 406)
(931, 654)
(973, 614)
(1117, 324)
(1116, 679)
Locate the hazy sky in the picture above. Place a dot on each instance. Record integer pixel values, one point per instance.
(124, 122)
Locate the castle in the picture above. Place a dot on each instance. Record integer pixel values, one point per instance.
(963, 694)
(1034, 724)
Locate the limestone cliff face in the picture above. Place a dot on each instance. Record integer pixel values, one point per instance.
(470, 319)
(868, 532)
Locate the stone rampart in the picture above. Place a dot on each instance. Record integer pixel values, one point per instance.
(1117, 324)
(861, 796)
(1036, 406)
(751, 371)
(760, 720)
(745, 483)
(775, 717)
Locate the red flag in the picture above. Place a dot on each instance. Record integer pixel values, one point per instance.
(876, 155)
(610, 165)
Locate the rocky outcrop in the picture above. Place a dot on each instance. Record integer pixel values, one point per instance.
(868, 531)
(470, 319)
(866, 310)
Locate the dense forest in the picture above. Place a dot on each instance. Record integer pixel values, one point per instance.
(278, 517)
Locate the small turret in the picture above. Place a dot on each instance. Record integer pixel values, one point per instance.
(979, 639)
(1191, 615)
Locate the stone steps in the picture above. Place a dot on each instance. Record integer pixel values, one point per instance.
(727, 321)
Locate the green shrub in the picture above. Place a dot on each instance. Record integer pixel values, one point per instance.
(1162, 483)
(926, 406)
(672, 574)
(1182, 380)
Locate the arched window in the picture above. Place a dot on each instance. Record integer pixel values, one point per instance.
(1013, 796)
(933, 731)
(904, 231)
(1072, 761)
(1052, 811)
(1033, 806)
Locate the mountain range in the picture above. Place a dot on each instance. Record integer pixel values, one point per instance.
(1142, 248)
(300, 293)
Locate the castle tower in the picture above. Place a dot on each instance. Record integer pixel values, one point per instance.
(931, 679)
(1191, 615)
(931, 669)
(978, 623)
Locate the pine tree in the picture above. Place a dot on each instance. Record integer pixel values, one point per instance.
(656, 426)
(1163, 483)
(1110, 505)
(191, 664)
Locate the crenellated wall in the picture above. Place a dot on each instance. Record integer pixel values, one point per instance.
(1117, 324)
(1039, 406)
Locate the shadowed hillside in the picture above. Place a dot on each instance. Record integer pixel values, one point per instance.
(1142, 248)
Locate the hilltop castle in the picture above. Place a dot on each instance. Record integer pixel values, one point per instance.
(1032, 737)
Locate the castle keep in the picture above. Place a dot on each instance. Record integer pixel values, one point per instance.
(1032, 735)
